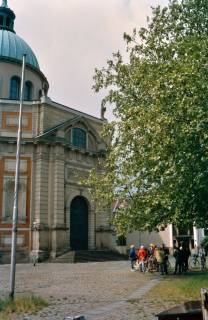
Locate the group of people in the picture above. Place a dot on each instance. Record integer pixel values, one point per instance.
(155, 258)
(149, 258)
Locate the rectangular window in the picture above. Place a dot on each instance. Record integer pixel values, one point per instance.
(10, 165)
(79, 138)
(10, 120)
(14, 121)
(8, 199)
(7, 185)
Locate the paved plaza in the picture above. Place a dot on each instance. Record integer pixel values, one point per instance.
(99, 291)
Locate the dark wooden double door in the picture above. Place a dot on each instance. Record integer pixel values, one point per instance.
(79, 224)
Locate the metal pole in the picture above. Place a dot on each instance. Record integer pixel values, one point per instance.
(16, 187)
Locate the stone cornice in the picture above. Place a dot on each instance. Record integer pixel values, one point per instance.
(37, 226)
(59, 226)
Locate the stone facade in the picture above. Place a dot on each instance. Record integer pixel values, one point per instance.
(59, 147)
(54, 168)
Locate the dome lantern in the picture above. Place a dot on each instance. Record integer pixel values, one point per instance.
(4, 3)
(12, 47)
(7, 17)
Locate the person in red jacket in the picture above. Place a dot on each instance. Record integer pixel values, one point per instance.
(142, 257)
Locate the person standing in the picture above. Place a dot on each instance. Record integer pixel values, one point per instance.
(142, 257)
(132, 256)
(178, 255)
(160, 257)
(186, 255)
(166, 254)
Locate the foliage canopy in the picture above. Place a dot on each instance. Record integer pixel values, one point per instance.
(157, 162)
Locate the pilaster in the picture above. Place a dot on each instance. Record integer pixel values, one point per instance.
(91, 229)
(41, 185)
(58, 197)
(40, 224)
(58, 225)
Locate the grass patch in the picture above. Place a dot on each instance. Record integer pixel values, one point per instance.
(22, 305)
(180, 288)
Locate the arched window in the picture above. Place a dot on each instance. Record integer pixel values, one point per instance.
(15, 88)
(28, 90)
(40, 94)
(79, 138)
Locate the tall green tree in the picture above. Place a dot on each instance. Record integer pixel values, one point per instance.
(157, 163)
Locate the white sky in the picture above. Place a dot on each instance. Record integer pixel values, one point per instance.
(72, 37)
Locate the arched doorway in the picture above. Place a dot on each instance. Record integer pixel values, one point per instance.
(79, 224)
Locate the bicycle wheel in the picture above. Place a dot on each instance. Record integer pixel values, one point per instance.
(194, 263)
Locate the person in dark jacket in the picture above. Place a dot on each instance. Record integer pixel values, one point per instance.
(166, 254)
(186, 255)
(132, 256)
(178, 255)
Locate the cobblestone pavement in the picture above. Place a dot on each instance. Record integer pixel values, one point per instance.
(99, 291)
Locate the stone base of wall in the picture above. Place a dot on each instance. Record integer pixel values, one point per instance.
(59, 242)
(21, 257)
(105, 240)
(38, 256)
(121, 249)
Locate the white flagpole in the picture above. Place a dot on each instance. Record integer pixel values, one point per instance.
(16, 187)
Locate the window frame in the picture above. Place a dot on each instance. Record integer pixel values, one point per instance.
(25, 172)
(75, 140)
(15, 96)
(28, 95)
(13, 127)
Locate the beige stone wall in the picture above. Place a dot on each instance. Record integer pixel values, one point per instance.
(29, 108)
(145, 238)
(105, 240)
(53, 114)
(8, 70)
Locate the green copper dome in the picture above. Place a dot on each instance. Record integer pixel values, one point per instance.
(12, 47)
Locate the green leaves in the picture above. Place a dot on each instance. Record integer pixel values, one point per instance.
(157, 163)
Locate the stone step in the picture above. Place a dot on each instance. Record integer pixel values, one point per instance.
(98, 256)
(84, 256)
(65, 258)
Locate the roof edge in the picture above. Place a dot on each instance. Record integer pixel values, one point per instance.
(57, 105)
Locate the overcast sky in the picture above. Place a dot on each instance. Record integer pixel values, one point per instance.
(72, 37)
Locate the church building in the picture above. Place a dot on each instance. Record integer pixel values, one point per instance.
(59, 147)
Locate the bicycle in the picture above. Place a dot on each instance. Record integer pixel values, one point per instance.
(195, 262)
(152, 265)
